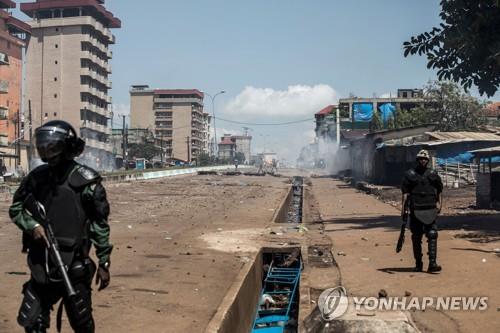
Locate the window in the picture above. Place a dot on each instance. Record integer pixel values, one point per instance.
(57, 29)
(55, 95)
(56, 62)
(405, 94)
(55, 79)
(55, 114)
(57, 46)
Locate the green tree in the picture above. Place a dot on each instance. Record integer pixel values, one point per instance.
(143, 150)
(376, 122)
(205, 159)
(240, 157)
(466, 46)
(448, 106)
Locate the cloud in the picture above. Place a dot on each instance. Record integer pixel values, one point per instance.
(296, 101)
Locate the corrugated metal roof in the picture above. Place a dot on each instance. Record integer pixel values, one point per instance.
(327, 110)
(486, 151)
(463, 136)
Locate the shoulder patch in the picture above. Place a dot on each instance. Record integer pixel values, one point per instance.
(87, 173)
(83, 176)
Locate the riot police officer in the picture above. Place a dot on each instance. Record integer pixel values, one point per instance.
(422, 186)
(76, 206)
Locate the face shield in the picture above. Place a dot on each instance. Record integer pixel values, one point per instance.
(49, 142)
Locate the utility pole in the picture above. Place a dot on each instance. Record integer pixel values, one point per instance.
(188, 139)
(124, 144)
(338, 126)
(30, 124)
(161, 147)
(17, 136)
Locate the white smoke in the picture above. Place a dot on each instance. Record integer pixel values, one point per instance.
(335, 157)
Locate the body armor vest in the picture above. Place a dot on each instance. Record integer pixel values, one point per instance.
(423, 194)
(65, 208)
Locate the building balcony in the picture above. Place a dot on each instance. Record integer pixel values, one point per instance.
(4, 87)
(96, 127)
(178, 100)
(93, 108)
(96, 76)
(4, 113)
(98, 144)
(96, 43)
(95, 59)
(97, 93)
(4, 140)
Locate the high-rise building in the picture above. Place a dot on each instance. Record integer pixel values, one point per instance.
(175, 116)
(14, 34)
(68, 71)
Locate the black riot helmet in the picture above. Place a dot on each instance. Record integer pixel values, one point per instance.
(57, 141)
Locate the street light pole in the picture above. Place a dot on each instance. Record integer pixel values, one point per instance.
(213, 114)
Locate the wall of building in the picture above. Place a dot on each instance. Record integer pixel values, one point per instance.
(243, 145)
(53, 66)
(181, 119)
(12, 73)
(141, 110)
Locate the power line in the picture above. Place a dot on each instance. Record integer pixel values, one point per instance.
(266, 124)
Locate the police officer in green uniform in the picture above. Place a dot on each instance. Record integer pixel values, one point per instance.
(422, 186)
(76, 206)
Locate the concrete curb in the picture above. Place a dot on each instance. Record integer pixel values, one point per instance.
(164, 173)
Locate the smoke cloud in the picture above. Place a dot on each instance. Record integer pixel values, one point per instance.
(296, 101)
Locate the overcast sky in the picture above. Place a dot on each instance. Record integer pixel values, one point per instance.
(279, 61)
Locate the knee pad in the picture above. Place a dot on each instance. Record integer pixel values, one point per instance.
(31, 307)
(79, 308)
(432, 234)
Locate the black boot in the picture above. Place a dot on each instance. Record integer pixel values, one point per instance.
(417, 252)
(432, 240)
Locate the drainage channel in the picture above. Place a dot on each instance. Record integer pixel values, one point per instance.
(290, 210)
(295, 207)
(278, 307)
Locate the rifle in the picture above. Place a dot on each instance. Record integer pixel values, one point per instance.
(36, 210)
(404, 217)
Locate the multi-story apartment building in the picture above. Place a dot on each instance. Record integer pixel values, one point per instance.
(244, 146)
(230, 145)
(68, 69)
(175, 116)
(355, 112)
(207, 143)
(14, 34)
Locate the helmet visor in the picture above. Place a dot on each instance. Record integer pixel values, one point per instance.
(49, 142)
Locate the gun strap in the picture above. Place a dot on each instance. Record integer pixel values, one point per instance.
(59, 316)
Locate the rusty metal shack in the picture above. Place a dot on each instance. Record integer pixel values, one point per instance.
(488, 177)
(383, 157)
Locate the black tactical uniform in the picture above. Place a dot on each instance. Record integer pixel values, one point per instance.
(77, 208)
(424, 186)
